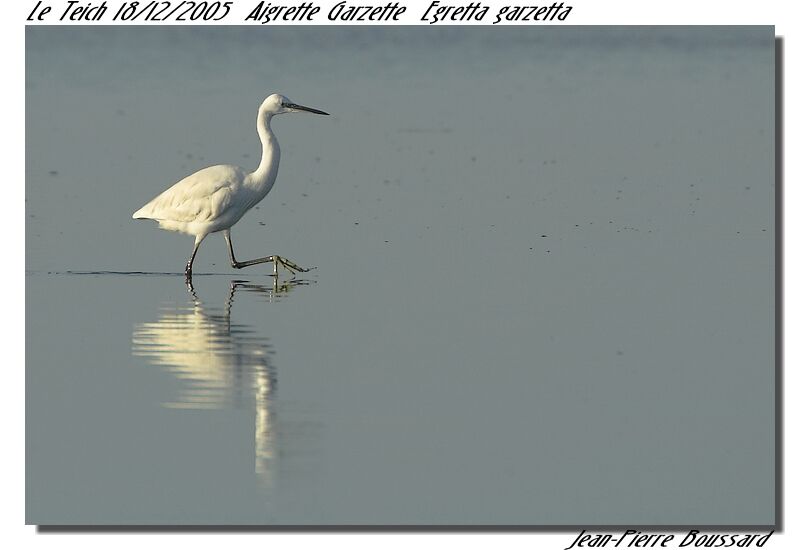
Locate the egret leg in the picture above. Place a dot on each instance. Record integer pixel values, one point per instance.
(188, 272)
(274, 260)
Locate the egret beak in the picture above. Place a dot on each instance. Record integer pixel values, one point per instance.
(297, 107)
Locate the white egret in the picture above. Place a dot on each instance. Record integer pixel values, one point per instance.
(215, 198)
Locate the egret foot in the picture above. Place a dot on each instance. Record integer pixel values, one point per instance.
(275, 261)
(289, 266)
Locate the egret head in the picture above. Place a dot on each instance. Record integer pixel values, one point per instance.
(277, 104)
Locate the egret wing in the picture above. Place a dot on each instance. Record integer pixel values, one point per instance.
(201, 197)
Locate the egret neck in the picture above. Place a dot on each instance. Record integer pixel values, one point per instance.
(264, 176)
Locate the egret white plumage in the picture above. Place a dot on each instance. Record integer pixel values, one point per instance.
(215, 198)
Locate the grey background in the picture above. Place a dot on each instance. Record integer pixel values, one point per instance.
(544, 295)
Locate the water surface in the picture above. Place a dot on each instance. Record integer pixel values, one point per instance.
(544, 295)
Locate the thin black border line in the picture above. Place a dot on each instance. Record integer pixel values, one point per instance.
(779, 509)
(404, 529)
(779, 493)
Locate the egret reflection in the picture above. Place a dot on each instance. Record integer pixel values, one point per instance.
(219, 363)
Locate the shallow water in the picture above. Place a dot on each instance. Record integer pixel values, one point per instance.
(544, 291)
